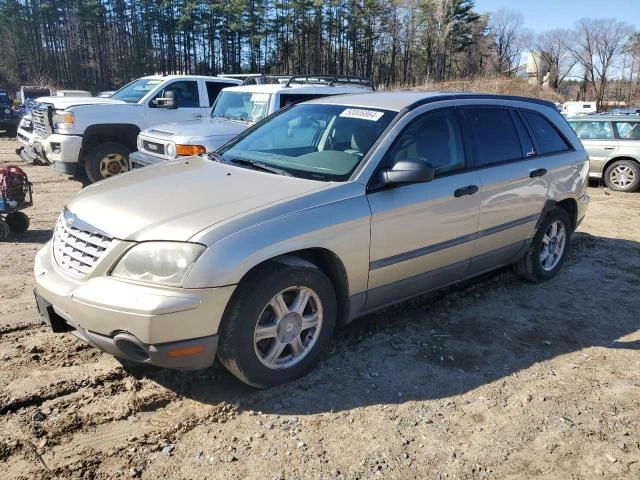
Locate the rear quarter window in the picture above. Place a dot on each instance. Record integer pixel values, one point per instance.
(547, 137)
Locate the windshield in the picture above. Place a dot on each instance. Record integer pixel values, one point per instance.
(247, 106)
(314, 141)
(134, 91)
(4, 97)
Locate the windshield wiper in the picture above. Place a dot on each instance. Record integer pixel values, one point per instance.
(215, 156)
(261, 166)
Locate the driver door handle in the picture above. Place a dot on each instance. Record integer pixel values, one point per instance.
(468, 190)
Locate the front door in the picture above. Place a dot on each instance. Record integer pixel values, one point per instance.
(190, 105)
(422, 235)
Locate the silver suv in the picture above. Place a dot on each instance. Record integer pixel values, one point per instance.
(325, 211)
(613, 144)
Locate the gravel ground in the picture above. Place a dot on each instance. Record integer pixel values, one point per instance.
(495, 378)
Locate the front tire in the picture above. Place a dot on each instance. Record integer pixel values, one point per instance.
(623, 176)
(278, 324)
(106, 160)
(548, 250)
(5, 231)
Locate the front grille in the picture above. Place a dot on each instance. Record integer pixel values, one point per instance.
(41, 121)
(153, 147)
(77, 247)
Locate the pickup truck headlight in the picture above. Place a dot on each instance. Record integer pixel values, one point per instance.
(63, 120)
(164, 263)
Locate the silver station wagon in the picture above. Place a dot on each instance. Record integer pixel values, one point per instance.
(318, 214)
(613, 145)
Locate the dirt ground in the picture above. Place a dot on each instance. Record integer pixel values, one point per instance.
(495, 378)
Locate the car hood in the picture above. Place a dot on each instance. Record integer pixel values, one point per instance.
(61, 103)
(201, 128)
(176, 200)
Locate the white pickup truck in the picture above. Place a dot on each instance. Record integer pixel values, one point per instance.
(98, 133)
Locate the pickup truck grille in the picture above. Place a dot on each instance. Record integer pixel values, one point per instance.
(77, 247)
(41, 121)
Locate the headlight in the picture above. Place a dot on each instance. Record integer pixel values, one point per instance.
(7, 111)
(165, 263)
(25, 123)
(139, 143)
(170, 149)
(63, 120)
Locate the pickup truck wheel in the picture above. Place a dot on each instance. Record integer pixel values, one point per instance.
(106, 160)
(5, 231)
(12, 132)
(549, 248)
(623, 176)
(18, 222)
(278, 324)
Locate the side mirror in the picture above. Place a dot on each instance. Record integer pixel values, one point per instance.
(408, 171)
(169, 101)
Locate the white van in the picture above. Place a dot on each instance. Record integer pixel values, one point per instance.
(578, 108)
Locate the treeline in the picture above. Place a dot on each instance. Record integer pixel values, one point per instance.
(100, 44)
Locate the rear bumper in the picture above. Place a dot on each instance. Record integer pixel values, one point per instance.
(583, 204)
(139, 159)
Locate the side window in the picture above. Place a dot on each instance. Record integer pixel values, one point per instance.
(287, 99)
(185, 92)
(546, 135)
(494, 134)
(594, 130)
(213, 89)
(628, 130)
(434, 138)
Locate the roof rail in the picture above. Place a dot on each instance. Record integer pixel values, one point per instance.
(331, 80)
(261, 79)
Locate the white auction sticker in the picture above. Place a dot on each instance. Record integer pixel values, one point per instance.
(372, 115)
(259, 97)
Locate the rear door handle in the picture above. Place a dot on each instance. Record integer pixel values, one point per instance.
(609, 148)
(468, 190)
(538, 173)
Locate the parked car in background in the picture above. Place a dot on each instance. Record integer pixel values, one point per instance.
(97, 134)
(578, 108)
(9, 116)
(613, 144)
(319, 214)
(236, 109)
(106, 93)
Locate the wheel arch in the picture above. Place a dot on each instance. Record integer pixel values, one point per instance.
(568, 204)
(326, 261)
(123, 133)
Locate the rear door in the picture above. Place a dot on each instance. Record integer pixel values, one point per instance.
(599, 141)
(513, 184)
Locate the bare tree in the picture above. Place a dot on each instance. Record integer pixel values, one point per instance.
(509, 38)
(599, 42)
(554, 48)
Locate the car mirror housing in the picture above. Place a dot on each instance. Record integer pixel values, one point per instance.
(169, 101)
(408, 171)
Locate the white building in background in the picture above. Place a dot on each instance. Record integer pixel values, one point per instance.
(537, 69)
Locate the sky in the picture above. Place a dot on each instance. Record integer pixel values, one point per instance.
(540, 15)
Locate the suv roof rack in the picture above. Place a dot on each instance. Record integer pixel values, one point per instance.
(331, 80)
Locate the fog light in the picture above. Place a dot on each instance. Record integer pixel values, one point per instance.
(55, 147)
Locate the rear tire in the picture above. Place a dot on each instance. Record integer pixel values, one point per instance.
(549, 247)
(278, 324)
(18, 222)
(106, 160)
(623, 176)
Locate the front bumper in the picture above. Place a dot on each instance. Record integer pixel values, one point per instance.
(167, 327)
(139, 159)
(63, 151)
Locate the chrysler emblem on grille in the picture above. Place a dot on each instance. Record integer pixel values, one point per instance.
(72, 221)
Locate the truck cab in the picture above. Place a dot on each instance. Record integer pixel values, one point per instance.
(236, 109)
(98, 134)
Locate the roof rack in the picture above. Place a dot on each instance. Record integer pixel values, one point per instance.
(262, 79)
(331, 80)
